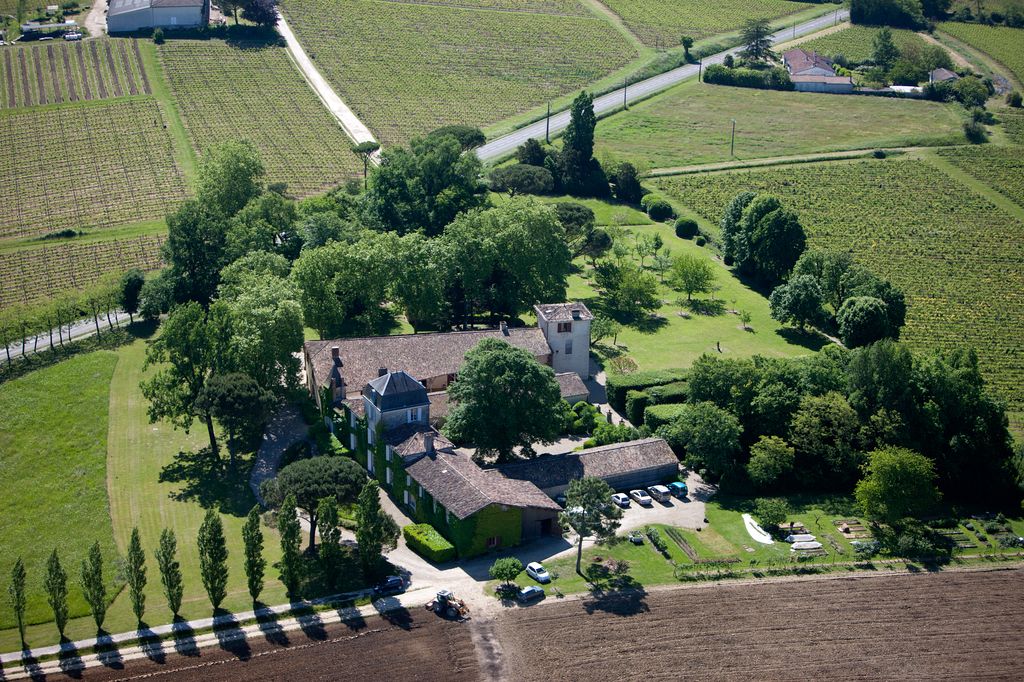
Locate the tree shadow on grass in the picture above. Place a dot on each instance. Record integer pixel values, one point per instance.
(803, 337)
(208, 481)
(705, 306)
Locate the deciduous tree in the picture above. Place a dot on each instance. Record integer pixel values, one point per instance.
(16, 591)
(135, 575)
(897, 483)
(505, 569)
(798, 301)
(130, 294)
(230, 174)
(589, 512)
(170, 570)
(252, 543)
(291, 536)
(707, 435)
(213, 557)
(93, 588)
(692, 274)
(56, 585)
(376, 531)
(330, 539)
(771, 459)
(521, 179)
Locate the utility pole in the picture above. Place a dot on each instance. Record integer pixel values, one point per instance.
(732, 141)
(547, 126)
(700, 67)
(625, 84)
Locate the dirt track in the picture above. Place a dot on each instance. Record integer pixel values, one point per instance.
(425, 648)
(949, 625)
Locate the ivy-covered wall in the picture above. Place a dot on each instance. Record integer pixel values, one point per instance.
(470, 535)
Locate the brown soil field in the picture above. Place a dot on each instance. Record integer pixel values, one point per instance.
(418, 646)
(955, 625)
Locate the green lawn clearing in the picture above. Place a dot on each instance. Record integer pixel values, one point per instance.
(406, 69)
(605, 212)
(692, 124)
(53, 470)
(956, 254)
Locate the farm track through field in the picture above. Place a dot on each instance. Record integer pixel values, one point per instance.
(951, 625)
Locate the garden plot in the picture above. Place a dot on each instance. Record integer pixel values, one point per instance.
(662, 22)
(406, 69)
(958, 257)
(253, 91)
(59, 73)
(95, 165)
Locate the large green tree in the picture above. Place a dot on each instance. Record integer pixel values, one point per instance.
(423, 187)
(627, 290)
(170, 570)
(16, 591)
(135, 574)
(213, 557)
(824, 432)
(252, 543)
(130, 293)
(862, 320)
(581, 174)
(376, 531)
(708, 436)
(230, 174)
(503, 399)
(771, 459)
(238, 404)
(330, 553)
(290, 531)
(589, 513)
(56, 586)
(93, 588)
(196, 237)
(692, 274)
(310, 480)
(897, 483)
(797, 301)
(776, 242)
(756, 37)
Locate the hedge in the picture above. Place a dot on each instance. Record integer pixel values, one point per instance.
(636, 403)
(618, 385)
(676, 392)
(775, 78)
(659, 415)
(428, 543)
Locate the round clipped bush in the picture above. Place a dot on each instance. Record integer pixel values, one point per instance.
(701, 241)
(686, 228)
(1013, 98)
(879, 154)
(657, 208)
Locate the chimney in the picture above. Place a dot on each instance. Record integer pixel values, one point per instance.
(336, 354)
(576, 313)
(503, 325)
(381, 371)
(428, 443)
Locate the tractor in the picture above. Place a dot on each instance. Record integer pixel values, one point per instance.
(447, 605)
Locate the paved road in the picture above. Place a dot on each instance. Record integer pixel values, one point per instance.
(502, 146)
(79, 330)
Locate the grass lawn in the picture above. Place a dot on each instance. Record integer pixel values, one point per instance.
(53, 448)
(605, 212)
(674, 341)
(692, 124)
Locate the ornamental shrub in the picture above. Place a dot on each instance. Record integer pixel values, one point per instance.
(1013, 98)
(618, 385)
(657, 208)
(423, 539)
(636, 403)
(657, 416)
(686, 228)
(700, 241)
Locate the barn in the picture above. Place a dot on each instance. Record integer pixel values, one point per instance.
(125, 16)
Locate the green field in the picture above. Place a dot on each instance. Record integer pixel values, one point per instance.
(605, 212)
(856, 43)
(691, 124)
(1013, 124)
(53, 472)
(566, 7)
(957, 256)
(1001, 168)
(672, 340)
(253, 91)
(406, 69)
(662, 22)
(1004, 44)
(88, 165)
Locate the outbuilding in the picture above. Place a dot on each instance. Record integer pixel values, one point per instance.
(125, 16)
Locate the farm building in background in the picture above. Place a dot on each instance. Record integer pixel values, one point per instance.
(124, 16)
(812, 72)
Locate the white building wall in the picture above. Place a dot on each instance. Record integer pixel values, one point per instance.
(130, 21)
(570, 350)
(177, 17)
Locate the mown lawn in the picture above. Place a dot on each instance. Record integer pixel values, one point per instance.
(605, 212)
(692, 124)
(53, 448)
(671, 340)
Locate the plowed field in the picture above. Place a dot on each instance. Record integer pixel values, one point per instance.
(937, 626)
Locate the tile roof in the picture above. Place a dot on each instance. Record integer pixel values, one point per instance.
(801, 60)
(549, 471)
(422, 355)
(409, 440)
(463, 488)
(570, 384)
(942, 74)
(563, 312)
(821, 79)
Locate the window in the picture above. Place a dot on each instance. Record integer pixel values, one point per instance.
(568, 347)
(369, 463)
(387, 453)
(389, 477)
(493, 541)
(421, 490)
(564, 327)
(174, 21)
(408, 481)
(435, 505)
(352, 438)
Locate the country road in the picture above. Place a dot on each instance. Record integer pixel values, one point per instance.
(506, 144)
(80, 329)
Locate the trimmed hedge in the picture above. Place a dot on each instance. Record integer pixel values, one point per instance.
(659, 415)
(775, 78)
(618, 385)
(676, 392)
(636, 403)
(423, 539)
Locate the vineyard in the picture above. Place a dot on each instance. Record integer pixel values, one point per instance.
(1004, 44)
(959, 258)
(59, 72)
(664, 21)
(691, 124)
(91, 165)
(45, 272)
(566, 7)
(1002, 168)
(1013, 124)
(406, 69)
(856, 43)
(254, 92)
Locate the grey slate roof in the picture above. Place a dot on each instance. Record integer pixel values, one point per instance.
(563, 312)
(607, 461)
(942, 74)
(422, 355)
(410, 440)
(396, 391)
(463, 488)
(570, 384)
(116, 7)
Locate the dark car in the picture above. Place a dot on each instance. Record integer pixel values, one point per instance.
(530, 593)
(393, 584)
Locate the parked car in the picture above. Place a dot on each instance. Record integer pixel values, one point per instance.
(678, 489)
(529, 593)
(636, 537)
(393, 584)
(72, 36)
(641, 497)
(536, 570)
(621, 499)
(660, 493)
